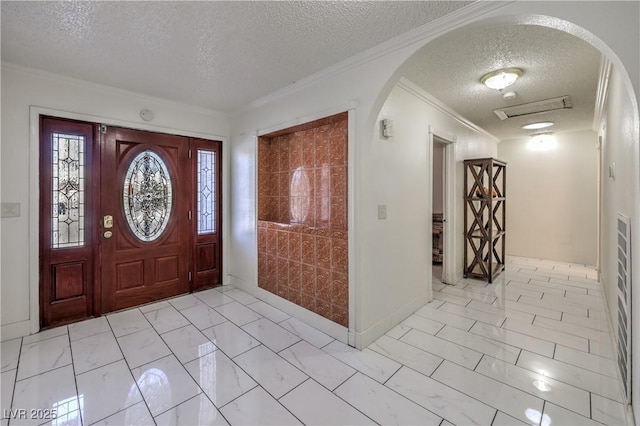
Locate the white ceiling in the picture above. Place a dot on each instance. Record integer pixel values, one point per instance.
(219, 55)
(554, 64)
(224, 55)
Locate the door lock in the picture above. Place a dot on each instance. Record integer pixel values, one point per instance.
(108, 234)
(107, 221)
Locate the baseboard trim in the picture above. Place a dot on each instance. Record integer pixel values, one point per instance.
(316, 321)
(238, 283)
(15, 330)
(370, 335)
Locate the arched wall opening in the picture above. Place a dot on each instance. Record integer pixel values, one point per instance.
(618, 128)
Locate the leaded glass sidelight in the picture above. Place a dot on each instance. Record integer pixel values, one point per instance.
(206, 191)
(147, 196)
(68, 191)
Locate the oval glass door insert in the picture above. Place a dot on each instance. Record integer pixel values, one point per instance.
(147, 196)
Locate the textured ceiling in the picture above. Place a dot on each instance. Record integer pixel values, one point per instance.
(219, 55)
(554, 63)
(224, 55)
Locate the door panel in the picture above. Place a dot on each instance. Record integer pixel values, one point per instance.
(67, 228)
(68, 280)
(94, 257)
(147, 256)
(207, 255)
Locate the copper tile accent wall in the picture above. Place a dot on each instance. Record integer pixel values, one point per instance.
(302, 216)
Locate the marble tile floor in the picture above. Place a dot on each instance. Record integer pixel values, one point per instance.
(531, 348)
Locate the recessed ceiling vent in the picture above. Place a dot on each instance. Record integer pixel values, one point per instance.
(538, 107)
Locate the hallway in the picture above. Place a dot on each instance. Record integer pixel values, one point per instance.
(533, 347)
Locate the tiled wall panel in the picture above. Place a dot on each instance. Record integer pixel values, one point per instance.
(302, 216)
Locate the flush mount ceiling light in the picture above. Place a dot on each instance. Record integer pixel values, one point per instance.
(538, 125)
(500, 79)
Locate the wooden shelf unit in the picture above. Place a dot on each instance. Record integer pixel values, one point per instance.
(484, 217)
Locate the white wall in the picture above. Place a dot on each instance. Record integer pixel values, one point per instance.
(552, 205)
(619, 132)
(396, 252)
(23, 88)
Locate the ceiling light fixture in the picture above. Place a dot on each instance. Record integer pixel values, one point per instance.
(538, 125)
(500, 79)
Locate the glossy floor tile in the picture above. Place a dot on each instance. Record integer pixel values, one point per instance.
(487, 390)
(257, 407)
(187, 343)
(221, 379)
(142, 347)
(164, 384)
(317, 364)
(313, 404)
(106, 391)
(383, 405)
(42, 356)
(95, 351)
(531, 348)
(166, 319)
(203, 316)
(197, 411)
(271, 334)
(47, 394)
(10, 354)
(305, 332)
(272, 372)
(212, 298)
(421, 361)
(441, 399)
(371, 363)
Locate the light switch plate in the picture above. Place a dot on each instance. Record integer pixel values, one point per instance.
(382, 211)
(9, 209)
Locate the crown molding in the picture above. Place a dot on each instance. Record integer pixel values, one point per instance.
(601, 93)
(425, 32)
(420, 93)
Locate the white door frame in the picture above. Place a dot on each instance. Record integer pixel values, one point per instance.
(599, 169)
(449, 262)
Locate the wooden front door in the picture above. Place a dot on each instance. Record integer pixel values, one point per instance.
(126, 217)
(145, 204)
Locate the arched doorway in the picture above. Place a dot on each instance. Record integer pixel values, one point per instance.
(620, 88)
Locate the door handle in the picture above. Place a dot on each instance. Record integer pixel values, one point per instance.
(108, 234)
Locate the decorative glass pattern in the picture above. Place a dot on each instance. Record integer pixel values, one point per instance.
(147, 196)
(301, 192)
(68, 191)
(206, 191)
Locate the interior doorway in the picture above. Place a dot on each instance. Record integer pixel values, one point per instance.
(442, 209)
(437, 216)
(127, 217)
